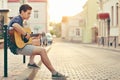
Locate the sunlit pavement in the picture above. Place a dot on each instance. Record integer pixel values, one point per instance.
(15, 65)
(66, 61)
(79, 66)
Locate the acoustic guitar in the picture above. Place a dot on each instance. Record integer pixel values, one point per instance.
(19, 38)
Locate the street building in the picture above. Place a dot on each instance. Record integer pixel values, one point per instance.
(90, 28)
(71, 29)
(39, 18)
(3, 4)
(108, 22)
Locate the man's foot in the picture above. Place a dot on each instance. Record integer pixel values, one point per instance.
(58, 75)
(32, 65)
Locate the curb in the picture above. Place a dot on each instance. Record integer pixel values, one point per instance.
(106, 48)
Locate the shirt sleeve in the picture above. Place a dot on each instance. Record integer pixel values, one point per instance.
(16, 20)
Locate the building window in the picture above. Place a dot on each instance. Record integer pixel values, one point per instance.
(116, 13)
(35, 14)
(77, 32)
(112, 15)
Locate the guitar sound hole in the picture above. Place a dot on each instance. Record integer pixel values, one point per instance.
(25, 40)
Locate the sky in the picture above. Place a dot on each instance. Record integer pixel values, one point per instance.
(59, 8)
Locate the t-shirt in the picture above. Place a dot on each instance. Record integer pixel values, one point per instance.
(11, 44)
(17, 19)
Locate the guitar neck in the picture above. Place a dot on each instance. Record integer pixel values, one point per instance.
(32, 35)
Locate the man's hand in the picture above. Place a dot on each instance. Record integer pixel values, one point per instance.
(27, 36)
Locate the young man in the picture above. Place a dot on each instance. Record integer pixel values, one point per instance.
(16, 24)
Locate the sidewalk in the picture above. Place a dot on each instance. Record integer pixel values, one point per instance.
(78, 64)
(17, 70)
(112, 48)
(93, 45)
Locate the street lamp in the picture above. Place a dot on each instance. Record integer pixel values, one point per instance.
(108, 23)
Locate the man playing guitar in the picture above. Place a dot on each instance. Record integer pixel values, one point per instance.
(16, 24)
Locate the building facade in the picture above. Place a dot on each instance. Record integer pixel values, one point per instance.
(90, 29)
(39, 18)
(3, 4)
(109, 22)
(71, 29)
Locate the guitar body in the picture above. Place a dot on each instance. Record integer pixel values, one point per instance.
(18, 38)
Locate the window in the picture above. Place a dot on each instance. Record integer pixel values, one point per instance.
(35, 14)
(77, 32)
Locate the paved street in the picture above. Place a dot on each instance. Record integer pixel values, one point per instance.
(16, 69)
(77, 61)
(82, 63)
(15, 65)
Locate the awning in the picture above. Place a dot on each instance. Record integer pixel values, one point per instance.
(102, 15)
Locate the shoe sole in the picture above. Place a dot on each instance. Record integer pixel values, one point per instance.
(30, 67)
(59, 77)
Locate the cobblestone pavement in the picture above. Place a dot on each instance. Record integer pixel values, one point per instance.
(79, 65)
(15, 65)
(69, 60)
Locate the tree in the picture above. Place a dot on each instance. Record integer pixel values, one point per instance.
(56, 29)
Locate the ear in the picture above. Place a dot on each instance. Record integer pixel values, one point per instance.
(22, 11)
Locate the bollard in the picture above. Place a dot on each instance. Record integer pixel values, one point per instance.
(115, 41)
(24, 59)
(5, 51)
(4, 14)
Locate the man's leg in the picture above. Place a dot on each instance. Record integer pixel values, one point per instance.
(31, 63)
(42, 52)
(31, 60)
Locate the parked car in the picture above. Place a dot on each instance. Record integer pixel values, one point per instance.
(49, 38)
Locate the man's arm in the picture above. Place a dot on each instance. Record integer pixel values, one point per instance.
(20, 30)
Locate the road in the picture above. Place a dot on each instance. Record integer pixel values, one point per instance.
(82, 63)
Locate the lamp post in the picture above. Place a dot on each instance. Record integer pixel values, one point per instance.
(108, 23)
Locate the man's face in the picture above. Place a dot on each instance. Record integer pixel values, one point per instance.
(26, 15)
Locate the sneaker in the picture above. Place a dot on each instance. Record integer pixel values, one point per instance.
(33, 65)
(58, 75)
